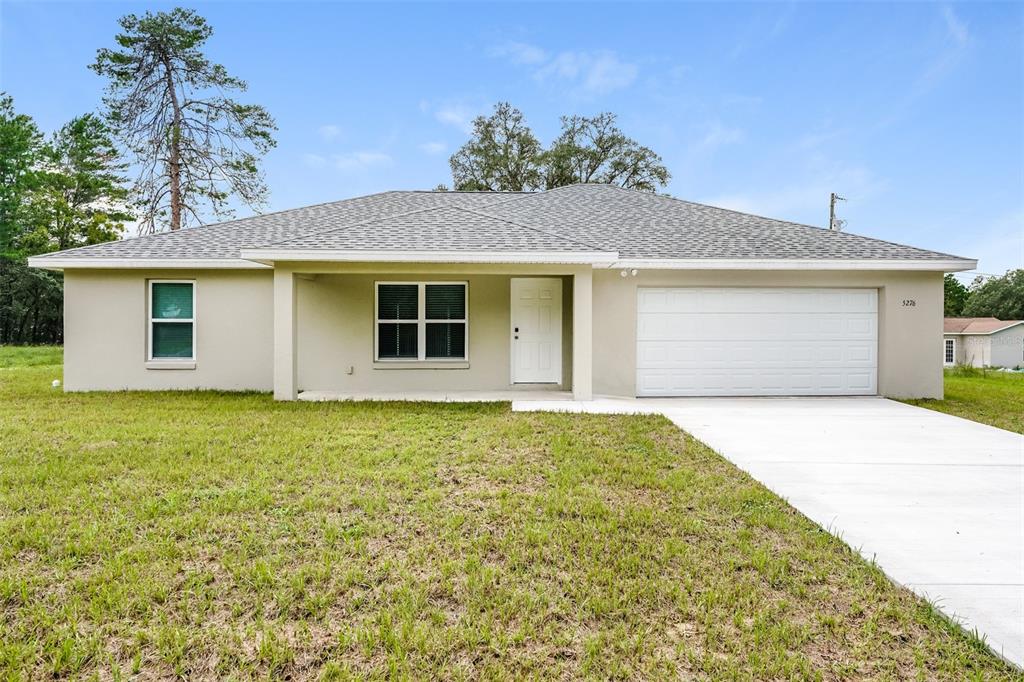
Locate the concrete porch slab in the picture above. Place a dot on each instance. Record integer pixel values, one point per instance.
(440, 396)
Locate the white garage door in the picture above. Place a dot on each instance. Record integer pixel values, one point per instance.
(731, 341)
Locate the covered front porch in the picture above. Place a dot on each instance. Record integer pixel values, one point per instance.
(520, 331)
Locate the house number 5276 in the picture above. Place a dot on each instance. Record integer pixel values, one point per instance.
(909, 303)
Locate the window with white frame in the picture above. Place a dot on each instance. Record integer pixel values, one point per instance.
(421, 321)
(172, 324)
(948, 351)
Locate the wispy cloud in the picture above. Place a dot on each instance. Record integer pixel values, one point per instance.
(717, 136)
(594, 73)
(519, 53)
(587, 72)
(329, 132)
(361, 160)
(350, 161)
(458, 115)
(314, 160)
(955, 45)
(955, 26)
(433, 148)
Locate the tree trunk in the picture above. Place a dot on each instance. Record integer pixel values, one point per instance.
(35, 322)
(174, 156)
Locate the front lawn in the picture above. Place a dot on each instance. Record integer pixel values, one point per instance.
(986, 396)
(211, 535)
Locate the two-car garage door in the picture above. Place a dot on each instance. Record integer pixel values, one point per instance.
(770, 341)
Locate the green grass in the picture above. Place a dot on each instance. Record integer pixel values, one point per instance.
(212, 535)
(30, 356)
(985, 396)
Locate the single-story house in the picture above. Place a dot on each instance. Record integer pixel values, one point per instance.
(982, 342)
(588, 288)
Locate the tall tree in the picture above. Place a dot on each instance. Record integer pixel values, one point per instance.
(1001, 297)
(955, 296)
(195, 147)
(595, 150)
(503, 154)
(81, 195)
(20, 147)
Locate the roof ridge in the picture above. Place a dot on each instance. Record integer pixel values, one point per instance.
(520, 195)
(535, 229)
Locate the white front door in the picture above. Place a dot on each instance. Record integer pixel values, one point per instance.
(536, 330)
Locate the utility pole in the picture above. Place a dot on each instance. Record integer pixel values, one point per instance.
(833, 222)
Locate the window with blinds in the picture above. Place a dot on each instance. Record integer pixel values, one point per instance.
(172, 328)
(421, 321)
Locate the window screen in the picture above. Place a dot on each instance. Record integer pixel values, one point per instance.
(172, 320)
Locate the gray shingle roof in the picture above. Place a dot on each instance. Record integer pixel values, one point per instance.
(588, 218)
(436, 229)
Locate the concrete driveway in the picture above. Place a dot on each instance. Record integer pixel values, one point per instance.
(937, 501)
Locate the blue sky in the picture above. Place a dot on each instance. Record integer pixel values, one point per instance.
(913, 111)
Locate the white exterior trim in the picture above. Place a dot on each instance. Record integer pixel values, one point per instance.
(421, 322)
(176, 362)
(147, 263)
(260, 259)
(348, 255)
(794, 264)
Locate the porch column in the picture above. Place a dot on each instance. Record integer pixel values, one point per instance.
(582, 334)
(285, 364)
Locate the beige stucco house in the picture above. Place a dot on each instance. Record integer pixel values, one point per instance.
(983, 342)
(588, 289)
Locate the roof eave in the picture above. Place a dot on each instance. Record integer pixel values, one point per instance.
(258, 259)
(58, 263)
(936, 265)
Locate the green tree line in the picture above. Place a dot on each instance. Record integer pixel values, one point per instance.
(59, 192)
(1001, 297)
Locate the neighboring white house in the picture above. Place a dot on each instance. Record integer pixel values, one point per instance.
(982, 342)
(592, 289)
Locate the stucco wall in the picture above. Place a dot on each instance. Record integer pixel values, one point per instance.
(105, 331)
(909, 357)
(976, 350)
(335, 334)
(1007, 347)
(106, 327)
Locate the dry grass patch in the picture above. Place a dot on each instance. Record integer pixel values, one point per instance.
(209, 535)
